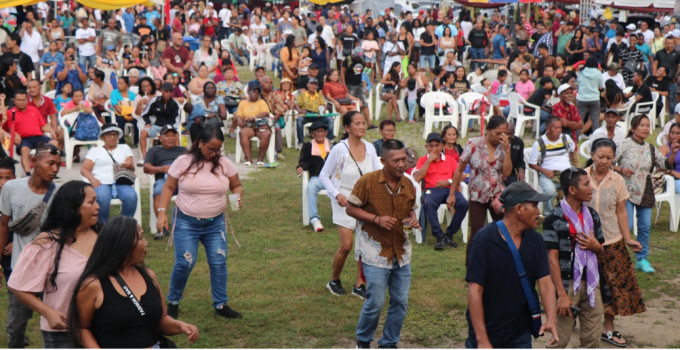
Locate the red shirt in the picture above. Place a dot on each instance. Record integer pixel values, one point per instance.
(46, 107)
(452, 153)
(177, 57)
(209, 30)
(442, 169)
(27, 122)
(568, 112)
(176, 25)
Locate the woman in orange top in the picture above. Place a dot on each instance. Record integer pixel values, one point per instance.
(337, 94)
(290, 58)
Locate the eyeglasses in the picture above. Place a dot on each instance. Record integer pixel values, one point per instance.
(216, 151)
(111, 134)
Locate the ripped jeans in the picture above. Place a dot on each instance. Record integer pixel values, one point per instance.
(189, 231)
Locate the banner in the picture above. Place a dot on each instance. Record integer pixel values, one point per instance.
(105, 5)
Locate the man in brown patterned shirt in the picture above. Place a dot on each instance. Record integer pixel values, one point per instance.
(382, 202)
(277, 107)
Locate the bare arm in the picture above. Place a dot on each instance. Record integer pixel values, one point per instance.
(87, 300)
(170, 326)
(86, 172)
(476, 307)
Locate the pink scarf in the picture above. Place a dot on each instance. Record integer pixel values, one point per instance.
(316, 151)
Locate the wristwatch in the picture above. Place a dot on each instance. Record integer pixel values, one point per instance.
(450, 181)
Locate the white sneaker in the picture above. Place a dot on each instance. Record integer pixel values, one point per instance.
(316, 223)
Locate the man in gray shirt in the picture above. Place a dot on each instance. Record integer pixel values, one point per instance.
(283, 25)
(110, 36)
(299, 33)
(19, 197)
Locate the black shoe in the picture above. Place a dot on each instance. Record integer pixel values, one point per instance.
(335, 287)
(363, 345)
(449, 241)
(173, 310)
(360, 292)
(158, 236)
(372, 127)
(440, 244)
(227, 312)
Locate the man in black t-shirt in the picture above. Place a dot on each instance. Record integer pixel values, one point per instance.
(24, 62)
(369, 29)
(538, 98)
(498, 312)
(669, 59)
(658, 84)
(641, 91)
(478, 39)
(352, 68)
(346, 43)
(428, 41)
(161, 33)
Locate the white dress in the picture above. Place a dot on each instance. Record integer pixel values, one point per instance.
(350, 176)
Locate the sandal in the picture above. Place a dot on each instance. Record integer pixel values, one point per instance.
(260, 164)
(140, 163)
(247, 164)
(609, 338)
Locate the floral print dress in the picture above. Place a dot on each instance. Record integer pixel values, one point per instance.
(486, 178)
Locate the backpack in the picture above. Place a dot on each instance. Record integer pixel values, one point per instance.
(85, 128)
(542, 149)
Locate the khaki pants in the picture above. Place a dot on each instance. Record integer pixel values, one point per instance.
(589, 319)
(574, 159)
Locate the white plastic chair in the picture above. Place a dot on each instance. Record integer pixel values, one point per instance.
(115, 201)
(517, 104)
(662, 113)
(626, 114)
(673, 200)
(51, 94)
(429, 101)
(152, 214)
(531, 176)
(305, 202)
(69, 142)
(651, 113)
(378, 101)
(661, 139)
(271, 152)
(466, 102)
(584, 148)
(627, 90)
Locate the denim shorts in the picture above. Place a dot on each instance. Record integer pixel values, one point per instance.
(158, 187)
(32, 142)
(155, 130)
(370, 59)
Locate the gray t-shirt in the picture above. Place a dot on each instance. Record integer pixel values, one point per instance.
(300, 35)
(16, 200)
(111, 37)
(282, 26)
(159, 156)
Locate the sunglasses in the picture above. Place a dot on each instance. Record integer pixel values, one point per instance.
(52, 151)
(571, 171)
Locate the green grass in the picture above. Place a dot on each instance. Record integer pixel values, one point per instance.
(277, 276)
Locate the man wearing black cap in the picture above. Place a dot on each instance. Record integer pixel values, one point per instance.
(166, 111)
(315, 72)
(312, 160)
(437, 170)
(498, 312)
(352, 69)
(158, 160)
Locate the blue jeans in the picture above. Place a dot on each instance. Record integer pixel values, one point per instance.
(84, 59)
(672, 90)
(476, 54)
(224, 32)
(521, 342)
(301, 121)
(435, 198)
(644, 224)
(56, 340)
(549, 187)
(313, 189)
(126, 194)
(412, 105)
(189, 232)
(239, 59)
(398, 281)
(544, 117)
(121, 124)
(427, 58)
(677, 186)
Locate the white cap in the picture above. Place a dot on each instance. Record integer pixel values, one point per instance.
(676, 33)
(211, 4)
(631, 27)
(677, 108)
(563, 88)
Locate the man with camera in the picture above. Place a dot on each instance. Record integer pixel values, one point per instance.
(70, 72)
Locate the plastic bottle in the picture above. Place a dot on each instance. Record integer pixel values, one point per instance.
(114, 191)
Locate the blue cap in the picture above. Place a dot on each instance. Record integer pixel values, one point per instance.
(110, 47)
(254, 85)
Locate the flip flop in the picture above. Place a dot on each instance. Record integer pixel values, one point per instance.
(247, 164)
(260, 164)
(609, 338)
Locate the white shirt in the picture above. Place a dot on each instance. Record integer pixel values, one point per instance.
(86, 49)
(466, 26)
(257, 31)
(556, 155)
(43, 8)
(310, 40)
(327, 35)
(390, 47)
(648, 35)
(601, 133)
(103, 165)
(225, 16)
(31, 44)
(618, 79)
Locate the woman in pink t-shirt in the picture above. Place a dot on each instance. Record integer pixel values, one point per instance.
(55, 260)
(203, 177)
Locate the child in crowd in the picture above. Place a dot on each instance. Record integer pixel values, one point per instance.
(477, 77)
(496, 92)
(411, 99)
(65, 97)
(260, 51)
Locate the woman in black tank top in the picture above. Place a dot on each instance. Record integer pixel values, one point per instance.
(102, 313)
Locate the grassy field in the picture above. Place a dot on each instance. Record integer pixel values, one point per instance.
(277, 277)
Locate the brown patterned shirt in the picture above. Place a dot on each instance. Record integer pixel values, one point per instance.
(375, 245)
(275, 102)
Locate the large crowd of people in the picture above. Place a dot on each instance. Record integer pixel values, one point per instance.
(173, 79)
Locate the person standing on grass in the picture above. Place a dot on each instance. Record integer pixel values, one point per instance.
(382, 202)
(18, 197)
(53, 262)
(203, 177)
(498, 312)
(609, 200)
(348, 161)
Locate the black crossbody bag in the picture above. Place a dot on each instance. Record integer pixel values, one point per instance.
(163, 341)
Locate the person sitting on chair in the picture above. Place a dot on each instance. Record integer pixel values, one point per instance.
(166, 111)
(311, 101)
(312, 158)
(550, 157)
(437, 170)
(253, 118)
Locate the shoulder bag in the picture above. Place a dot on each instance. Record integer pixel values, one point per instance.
(163, 341)
(121, 175)
(26, 224)
(529, 293)
(361, 173)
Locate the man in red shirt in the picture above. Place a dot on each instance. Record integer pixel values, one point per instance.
(568, 114)
(209, 23)
(176, 57)
(46, 107)
(437, 170)
(29, 126)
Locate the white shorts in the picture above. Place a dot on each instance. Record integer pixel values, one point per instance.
(341, 218)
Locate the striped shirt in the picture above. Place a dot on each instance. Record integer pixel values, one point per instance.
(556, 153)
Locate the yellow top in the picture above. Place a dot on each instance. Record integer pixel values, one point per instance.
(310, 102)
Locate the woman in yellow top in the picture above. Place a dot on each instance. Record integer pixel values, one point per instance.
(252, 117)
(658, 42)
(290, 58)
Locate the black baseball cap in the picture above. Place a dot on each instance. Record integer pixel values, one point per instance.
(168, 127)
(433, 136)
(520, 192)
(312, 81)
(313, 66)
(167, 86)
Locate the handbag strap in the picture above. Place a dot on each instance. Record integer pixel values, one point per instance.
(111, 155)
(533, 306)
(135, 302)
(361, 173)
(50, 190)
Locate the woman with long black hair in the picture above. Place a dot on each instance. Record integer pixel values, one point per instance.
(290, 58)
(203, 177)
(576, 47)
(56, 258)
(117, 303)
(321, 56)
(390, 82)
(9, 81)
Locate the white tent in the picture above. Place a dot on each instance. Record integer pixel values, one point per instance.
(639, 5)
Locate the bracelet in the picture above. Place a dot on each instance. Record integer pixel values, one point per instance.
(161, 209)
(374, 219)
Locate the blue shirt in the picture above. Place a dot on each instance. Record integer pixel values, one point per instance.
(59, 102)
(116, 97)
(646, 51)
(150, 17)
(49, 58)
(129, 20)
(367, 79)
(72, 77)
(439, 31)
(498, 42)
(611, 33)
